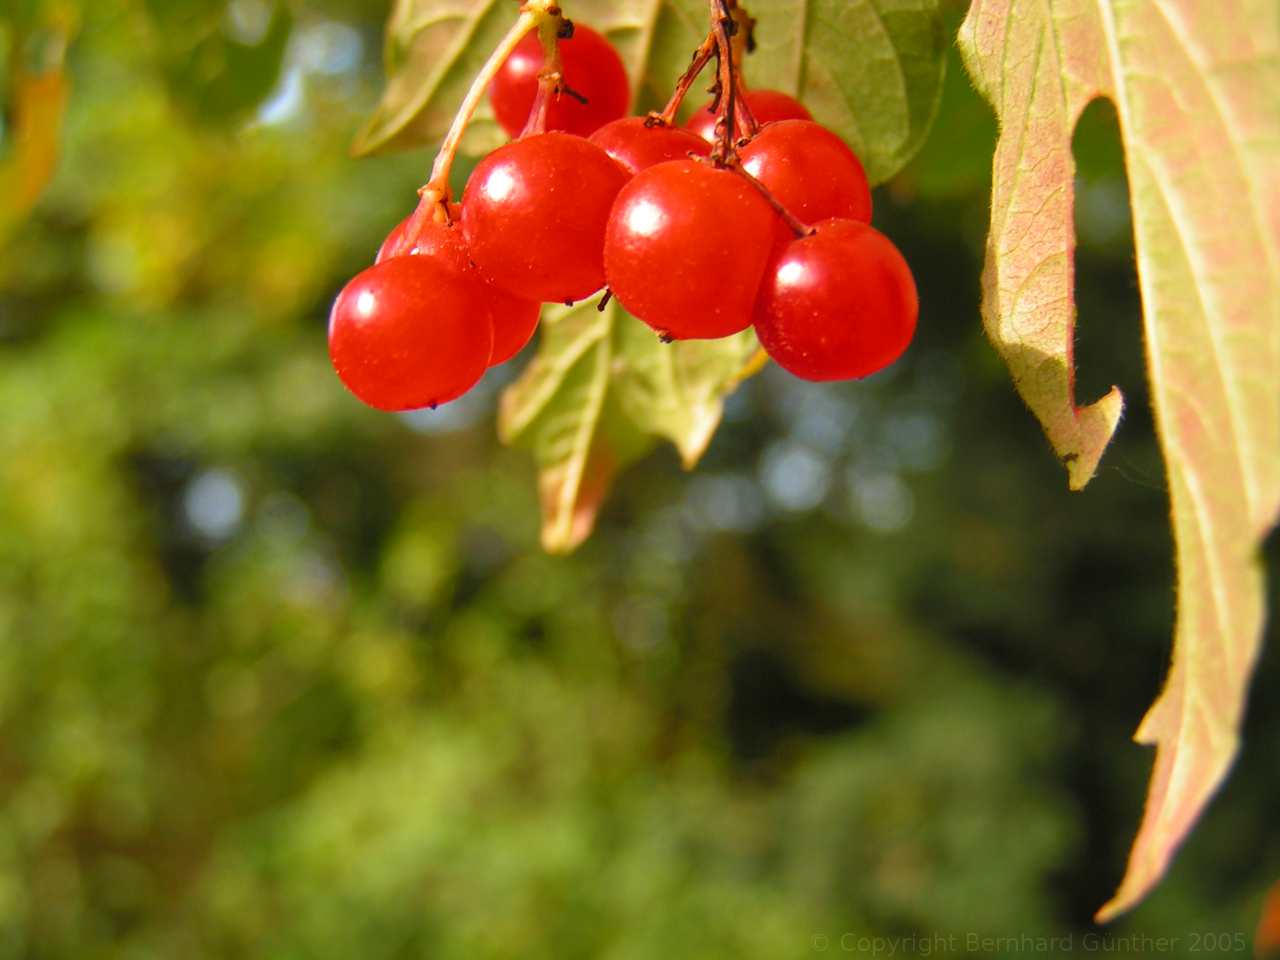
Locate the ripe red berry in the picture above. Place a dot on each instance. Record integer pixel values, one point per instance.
(514, 318)
(837, 304)
(534, 215)
(589, 65)
(766, 106)
(410, 332)
(810, 171)
(685, 248)
(435, 238)
(637, 146)
(512, 327)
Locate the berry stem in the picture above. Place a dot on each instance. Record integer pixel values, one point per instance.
(700, 58)
(799, 228)
(742, 41)
(731, 33)
(723, 28)
(748, 126)
(434, 195)
(729, 18)
(533, 14)
(550, 79)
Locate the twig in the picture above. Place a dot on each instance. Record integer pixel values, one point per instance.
(700, 58)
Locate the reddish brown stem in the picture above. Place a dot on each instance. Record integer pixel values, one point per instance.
(799, 228)
(723, 26)
(701, 57)
(747, 125)
(743, 42)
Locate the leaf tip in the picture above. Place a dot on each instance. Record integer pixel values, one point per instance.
(571, 494)
(1097, 424)
(1110, 910)
(692, 443)
(1140, 878)
(565, 529)
(558, 543)
(1185, 778)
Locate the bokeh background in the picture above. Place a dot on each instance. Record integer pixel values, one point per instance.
(284, 677)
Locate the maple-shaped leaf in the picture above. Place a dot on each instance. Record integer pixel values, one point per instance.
(600, 389)
(1195, 86)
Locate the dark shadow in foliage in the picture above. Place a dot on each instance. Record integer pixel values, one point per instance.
(767, 703)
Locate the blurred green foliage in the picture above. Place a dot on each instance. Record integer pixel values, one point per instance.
(284, 677)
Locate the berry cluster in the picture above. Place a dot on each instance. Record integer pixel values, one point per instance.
(751, 214)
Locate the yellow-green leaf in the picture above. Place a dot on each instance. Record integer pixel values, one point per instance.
(601, 387)
(1195, 88)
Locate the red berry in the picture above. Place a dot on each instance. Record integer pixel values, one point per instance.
(810, 171)
(534, 215)
(766, 106)
(512, 328)
(390, 246)
(514, 318)
(410, 332)
(637, 146)
(434, 238)
(589, 65)
(685, 248)
(837, 304)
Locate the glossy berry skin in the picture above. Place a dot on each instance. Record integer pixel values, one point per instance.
(767, 106)
(514, 318)
(534, 215)
(410, 332)
(637, 146)
(434, 237)
(686, 247)
(589, 65)
(838, 304)
(810, 171)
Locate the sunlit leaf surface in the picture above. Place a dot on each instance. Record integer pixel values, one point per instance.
(1194, 86)
(601, 387)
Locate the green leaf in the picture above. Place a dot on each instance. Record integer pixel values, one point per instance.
(1195, 90)
(601, 387)
(870, 69)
